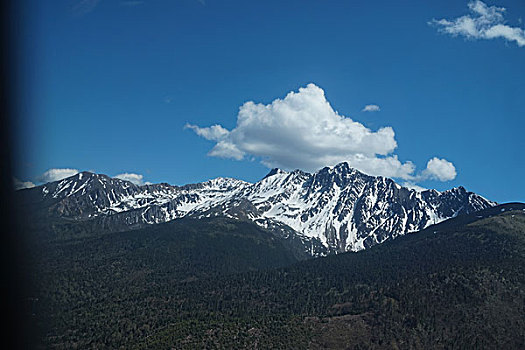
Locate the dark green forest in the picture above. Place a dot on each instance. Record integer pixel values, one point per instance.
(223, 283)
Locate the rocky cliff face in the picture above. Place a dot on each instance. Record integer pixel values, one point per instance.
(336, 209)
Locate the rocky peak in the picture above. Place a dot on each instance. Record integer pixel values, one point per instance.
(339, 206)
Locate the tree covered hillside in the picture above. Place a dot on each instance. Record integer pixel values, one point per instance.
(227, 284)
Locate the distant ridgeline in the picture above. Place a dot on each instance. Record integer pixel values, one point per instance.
(337, 209)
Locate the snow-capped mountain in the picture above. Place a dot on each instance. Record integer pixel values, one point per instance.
(339, 207)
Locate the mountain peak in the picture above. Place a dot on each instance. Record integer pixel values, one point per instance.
(275, 171)
(85, 176)
(343, 166)
(339, 206)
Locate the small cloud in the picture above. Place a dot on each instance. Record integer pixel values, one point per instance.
(56, 174)
(22, 184)
(413, 186)
(371, 108)
(137, 179)
(483, 22)
(214, 132)
(439, 169)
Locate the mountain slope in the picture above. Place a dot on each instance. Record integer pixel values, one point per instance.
(349, 210)
(337, 209)
(459, 284)
(86, 283)
(460, 287)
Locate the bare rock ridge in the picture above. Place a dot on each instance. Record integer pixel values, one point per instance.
(336, 209)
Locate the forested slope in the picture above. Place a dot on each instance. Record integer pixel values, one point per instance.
(228, 284)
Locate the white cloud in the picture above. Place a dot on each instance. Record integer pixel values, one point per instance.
(484, 22)
(371, 108)
(137, 179)
(214, 132)
(439, 169)
(56, 174)
(302, 131)
(413, 186)
(22, 184)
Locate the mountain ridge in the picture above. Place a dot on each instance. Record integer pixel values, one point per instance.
(340, 207)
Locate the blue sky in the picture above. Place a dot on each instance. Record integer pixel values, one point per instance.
(109, 86)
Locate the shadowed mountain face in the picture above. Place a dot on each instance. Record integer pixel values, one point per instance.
(226, 283)
(337, 209)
